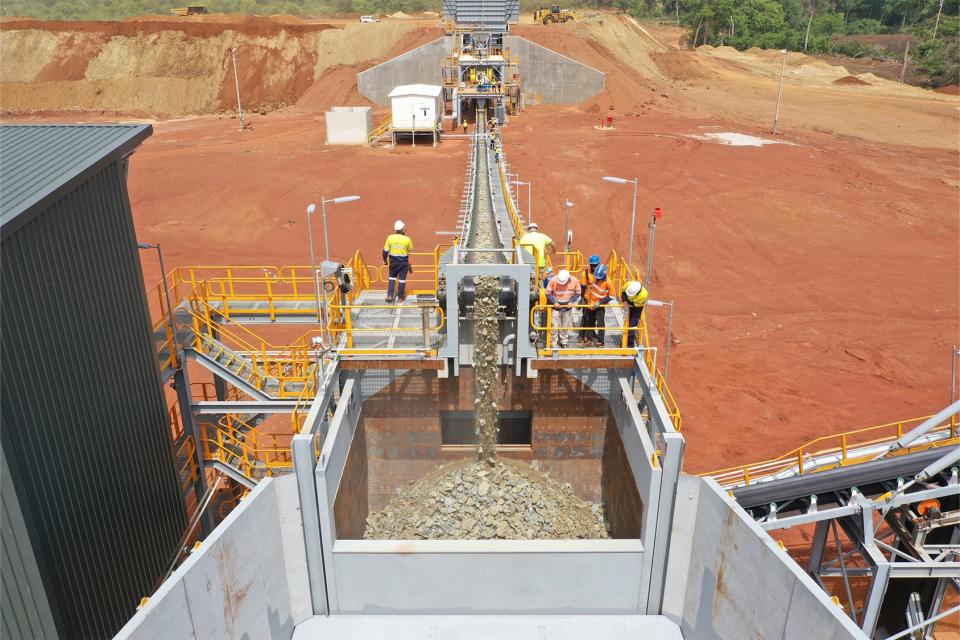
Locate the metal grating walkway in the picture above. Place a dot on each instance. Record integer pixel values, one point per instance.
(398, 327)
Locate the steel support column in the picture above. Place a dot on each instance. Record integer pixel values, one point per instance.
(181, 381)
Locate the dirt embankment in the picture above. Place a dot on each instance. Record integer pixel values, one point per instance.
(158, 67)
(648, 71)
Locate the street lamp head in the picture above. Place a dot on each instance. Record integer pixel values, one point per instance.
(617, 180)
(343, 199)
(311, 208)
(522, 184)
(145, 245)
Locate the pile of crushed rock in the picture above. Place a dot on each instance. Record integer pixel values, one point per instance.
(471, 500)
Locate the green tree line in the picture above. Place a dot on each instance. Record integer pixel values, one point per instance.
(823, 26)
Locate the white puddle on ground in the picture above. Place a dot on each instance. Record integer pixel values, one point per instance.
(738, 139)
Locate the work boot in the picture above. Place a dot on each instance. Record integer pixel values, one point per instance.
(390, 300)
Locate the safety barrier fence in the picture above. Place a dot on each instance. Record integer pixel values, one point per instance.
(302, 408)
(845, 448)
(251, 452)
(221, 297)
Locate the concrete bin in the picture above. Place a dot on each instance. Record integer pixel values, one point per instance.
(349, 125)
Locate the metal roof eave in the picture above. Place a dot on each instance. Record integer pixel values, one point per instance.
(44, 198)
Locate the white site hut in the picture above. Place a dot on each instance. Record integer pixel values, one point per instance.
(417, 109)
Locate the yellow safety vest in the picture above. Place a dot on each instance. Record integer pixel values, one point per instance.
(539, 240)
(640, 299)
(398, 245)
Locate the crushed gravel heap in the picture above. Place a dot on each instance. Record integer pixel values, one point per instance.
(470, 500)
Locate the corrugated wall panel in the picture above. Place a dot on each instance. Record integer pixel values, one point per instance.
(85, 428)
(24, 609)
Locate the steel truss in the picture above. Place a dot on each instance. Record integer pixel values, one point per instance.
(902, 534)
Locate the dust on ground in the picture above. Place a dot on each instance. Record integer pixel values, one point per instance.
(471, 500)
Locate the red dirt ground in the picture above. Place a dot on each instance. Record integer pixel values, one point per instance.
(816, 283)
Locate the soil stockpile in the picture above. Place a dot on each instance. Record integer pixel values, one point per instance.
(470, 500)
(854, 80)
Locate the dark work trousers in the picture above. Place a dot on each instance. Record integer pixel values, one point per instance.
(593, 319)
(634, 334)
(399, 267)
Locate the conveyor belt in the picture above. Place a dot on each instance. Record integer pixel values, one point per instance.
(868, 477)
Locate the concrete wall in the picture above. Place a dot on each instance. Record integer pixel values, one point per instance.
(351, 505)
(449, 576)
(555, 77)
(620, 494)
(727, 579)
(423, 65)
(402, 422)
(468, 576)
(247, 580)
(349, 125)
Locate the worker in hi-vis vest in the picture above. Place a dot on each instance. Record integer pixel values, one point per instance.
(540, 241)
(396, 253)
(635, 296)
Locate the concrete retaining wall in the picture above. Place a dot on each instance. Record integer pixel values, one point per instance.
(727, 579)
(235, 585)
(468, 576)
(423, 65)
(556, 78)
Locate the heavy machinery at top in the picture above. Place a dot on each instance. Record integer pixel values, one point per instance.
(553, 14)
(191, 10)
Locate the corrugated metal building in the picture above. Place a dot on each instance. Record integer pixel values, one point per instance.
(93, 513)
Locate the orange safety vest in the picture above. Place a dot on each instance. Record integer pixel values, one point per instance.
(597, 291)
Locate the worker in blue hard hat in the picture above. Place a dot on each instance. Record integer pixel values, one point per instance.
(396, 253)
(592, 263)
(635, 297)
(597, 293)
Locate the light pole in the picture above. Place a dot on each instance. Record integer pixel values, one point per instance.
(323, 203)
(166, 292)
(326, 245)
(633, 214)
(567, 205)
(776, 114)
(313, 261)
(529, 185)
(666, 364)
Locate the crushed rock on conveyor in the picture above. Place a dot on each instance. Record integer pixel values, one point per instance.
(469, 500)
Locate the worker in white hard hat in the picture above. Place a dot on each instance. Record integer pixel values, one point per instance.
(635, 297)
(563, 292)
(396, 253)
(540, 242)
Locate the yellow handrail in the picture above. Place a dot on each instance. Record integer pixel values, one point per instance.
(840, 443)
(302, 408)
(253, 453)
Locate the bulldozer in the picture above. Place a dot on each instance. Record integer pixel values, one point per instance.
(553, 14)
(191, 10)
